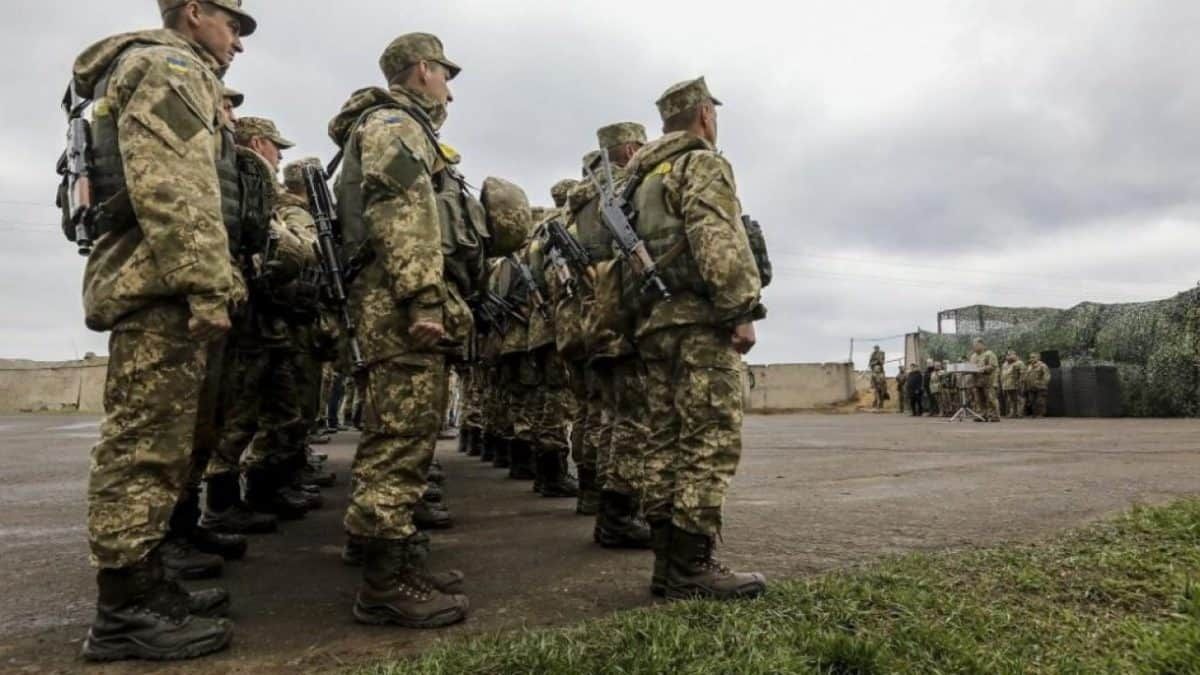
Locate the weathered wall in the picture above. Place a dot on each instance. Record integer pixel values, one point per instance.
(798, 386)
(29, 386)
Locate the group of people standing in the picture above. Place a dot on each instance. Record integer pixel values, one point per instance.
(569, 333)
(1011, 388)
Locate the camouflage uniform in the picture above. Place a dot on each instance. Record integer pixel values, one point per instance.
(160, 105)
(985, 383)
(1037, 384)
(1012, 381)
(878, 386)
(689, 217)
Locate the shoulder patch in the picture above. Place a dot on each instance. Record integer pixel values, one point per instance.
(450, 153)
(662, 169)
(177, 64)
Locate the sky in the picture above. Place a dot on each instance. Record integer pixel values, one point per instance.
(903, 158)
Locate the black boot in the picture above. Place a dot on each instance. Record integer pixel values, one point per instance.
(185, 524)
(433, 493)
(430, 516)
(589, 493)
(264, 495)
(521, 458)
(449, 581)
(488, 452)
(182, 560)
(395, 592)
(694, 573)
(224, 511)
(503, 458)
(555, 482)
(660, 542)
(464, 440)
(436, 474)
(136, 619)
(618, 524)
(479, 440)
(228, 546)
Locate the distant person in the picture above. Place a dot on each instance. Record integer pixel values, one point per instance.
(878, 386)
(985, 381)
(1037, 384)
(934, 389)
(1012, 381)
(901, 382)
(915, 388)
(878, 358)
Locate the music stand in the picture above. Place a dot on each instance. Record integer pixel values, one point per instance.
(964, 408)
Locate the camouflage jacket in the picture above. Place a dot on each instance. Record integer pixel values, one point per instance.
(1012, 375)
(698, 189)
(403, 283)
(1037, 376)
(164, 96)
(989, 369)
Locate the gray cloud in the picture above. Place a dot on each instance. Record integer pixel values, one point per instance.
(880, 146)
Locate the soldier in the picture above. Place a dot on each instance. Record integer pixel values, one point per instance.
(689, 218)
(935, 390)
(901, 384)
(985, 381)
(878, 386)
(878, 358)
(615, 431)
(160, 279)
(1037, 384)
(407, 318)
(1012, 381)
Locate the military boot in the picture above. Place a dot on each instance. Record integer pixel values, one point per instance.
(224, 511)
(446, 581)
(263, 495)
(488, 453)
(618, 524)
(589, 493)
(137, 618)
(464, 440)
(552, 480)
(182, 560)
(433, 493)
(436, 474)
(479, 440)
(503, 458)
(521, 458)
(354, 551)
(694, 573)
(660, 542)
(315, 475)
(395, 592)
(430, 516)
(185, 524)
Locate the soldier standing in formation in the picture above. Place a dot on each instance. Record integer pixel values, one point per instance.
(1037, 384)
(985, 381)
(878, 386)
(1012, 382)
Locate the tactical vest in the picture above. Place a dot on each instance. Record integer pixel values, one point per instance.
(592, 234)
(111, 193)
(462, 219)
(664, 235)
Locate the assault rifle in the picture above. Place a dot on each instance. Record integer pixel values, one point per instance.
(614, 213)
(570, 259)
(75, 166)
(320, 202)
(535, 291)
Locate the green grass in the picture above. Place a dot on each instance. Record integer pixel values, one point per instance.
(1119, 597)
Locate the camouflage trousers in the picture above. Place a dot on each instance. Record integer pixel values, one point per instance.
(284, 426)
(351, 400)
(620, 462)
(266, 421)
(211, 409)
(473, 395)
(1037, 402)
(1013, 402)
(986, 403)
(549, 399)
(693, 389)
(140, 467)
(402, 415)
(580, 382)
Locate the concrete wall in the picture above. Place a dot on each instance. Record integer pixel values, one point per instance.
(798, 386)
(29, 386)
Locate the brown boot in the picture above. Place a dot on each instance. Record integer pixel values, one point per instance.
(395, 592)
(694, 573)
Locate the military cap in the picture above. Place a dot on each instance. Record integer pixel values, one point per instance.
(1034, 355)
(412, 48)
(509, 216)
(684, 96)
(293, 173)
(561, 189)
(234, 7)
(621, 133)
(236, 98)
(254, 127)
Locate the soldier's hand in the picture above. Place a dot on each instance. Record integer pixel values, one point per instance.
(744, 338)
(207, 328)
(427, 334)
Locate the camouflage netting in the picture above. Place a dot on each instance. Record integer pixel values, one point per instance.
(1152, 344)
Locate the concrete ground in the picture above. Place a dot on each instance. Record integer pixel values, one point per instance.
(814, 492)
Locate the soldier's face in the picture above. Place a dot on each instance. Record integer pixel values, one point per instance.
(268, 150)
(437, 82)
(219, 32)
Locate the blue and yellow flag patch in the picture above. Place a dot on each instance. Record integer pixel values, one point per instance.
(177, 64)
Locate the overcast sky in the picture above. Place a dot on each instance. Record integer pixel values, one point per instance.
(903, 157)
